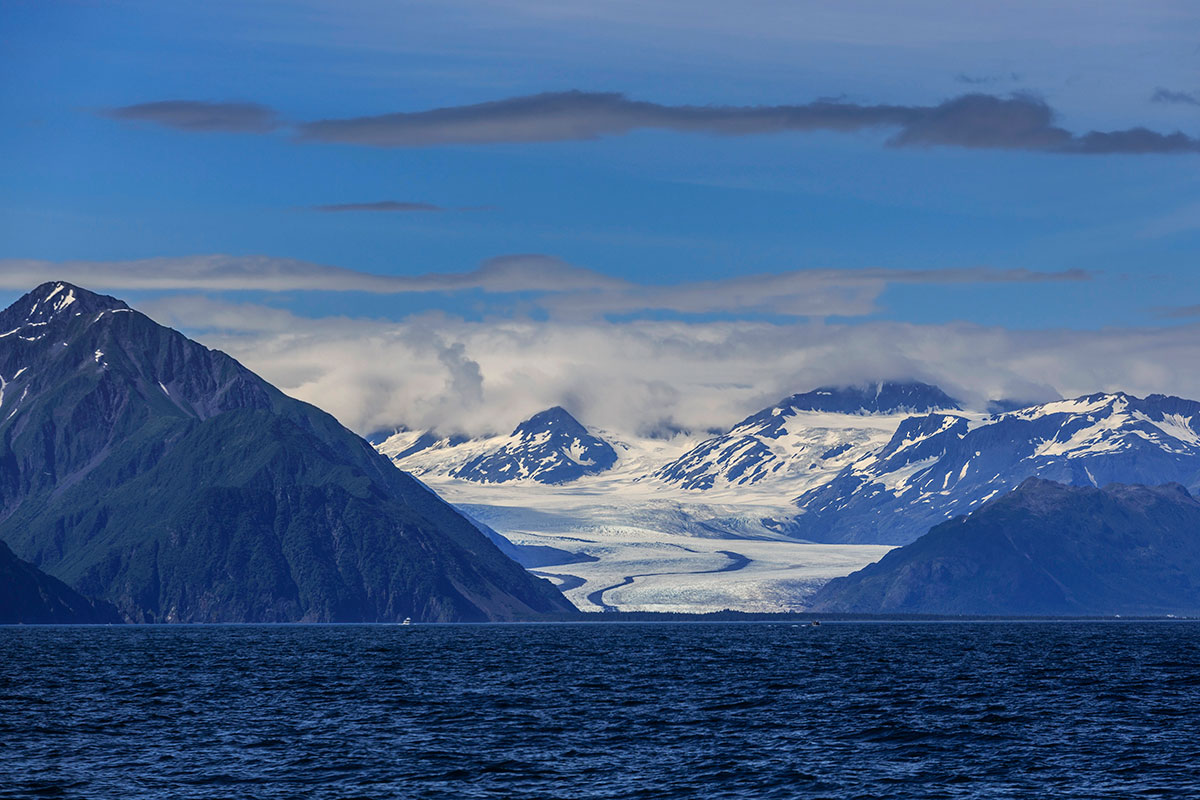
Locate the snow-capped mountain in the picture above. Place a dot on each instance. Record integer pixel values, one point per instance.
(854, 468)
(551, 447)
(805, 439)
(942, 465)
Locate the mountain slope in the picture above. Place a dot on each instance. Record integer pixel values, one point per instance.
(945, 464)
(29, 596)
(141, 467)
(805, 439)
(1045, 548)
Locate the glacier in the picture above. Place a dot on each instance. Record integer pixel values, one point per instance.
(815, 487)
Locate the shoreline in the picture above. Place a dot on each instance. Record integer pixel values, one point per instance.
(634, 618)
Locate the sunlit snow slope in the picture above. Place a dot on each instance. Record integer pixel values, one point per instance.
(942, 465)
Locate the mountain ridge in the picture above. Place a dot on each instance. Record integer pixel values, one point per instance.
(804, 436)
(1043, 549)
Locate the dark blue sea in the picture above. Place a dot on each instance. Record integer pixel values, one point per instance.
(988, 710)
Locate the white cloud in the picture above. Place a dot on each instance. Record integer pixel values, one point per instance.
(564, 289)
(511, 273)
(440, 371)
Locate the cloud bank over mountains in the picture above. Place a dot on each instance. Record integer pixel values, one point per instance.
(634, 375)
(639, 375)
(973, 121)
(434, 370)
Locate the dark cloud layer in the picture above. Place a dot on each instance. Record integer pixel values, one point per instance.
(381, 205)
(1176, 312)
(978, 121)
(1168, 96)
(192, 115)
(977, 80)
(1017, 122)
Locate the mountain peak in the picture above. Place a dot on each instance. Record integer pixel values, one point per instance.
(549, 447)
(58, 299)
(556, 419)
(1107, 397)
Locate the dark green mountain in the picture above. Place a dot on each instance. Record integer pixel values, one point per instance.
(29, 596)
(1043, 549)
(145, 469)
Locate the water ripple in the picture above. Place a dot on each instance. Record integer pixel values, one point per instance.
(989, 710)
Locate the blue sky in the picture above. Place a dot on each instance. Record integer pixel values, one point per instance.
(645, 196)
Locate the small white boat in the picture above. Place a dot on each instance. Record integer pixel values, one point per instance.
(407, 621)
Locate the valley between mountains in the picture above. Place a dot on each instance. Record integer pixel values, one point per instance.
(759, 516)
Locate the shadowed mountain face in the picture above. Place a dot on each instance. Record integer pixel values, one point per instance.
(1045, 548)
(29, 596)
(143, 468)
(886, 397)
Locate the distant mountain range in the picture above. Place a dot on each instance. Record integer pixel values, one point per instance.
(144, 469)
(804, 438)
(1043, 549)
(941, 465)
(876, 464)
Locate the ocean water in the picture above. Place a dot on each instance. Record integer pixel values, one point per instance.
(989, 710)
